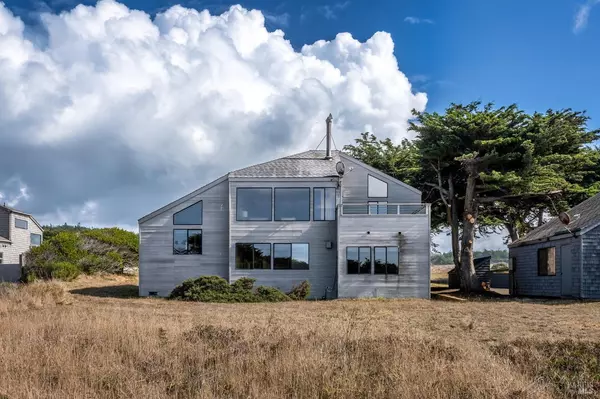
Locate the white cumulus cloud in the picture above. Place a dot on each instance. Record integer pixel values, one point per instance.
(119, 113)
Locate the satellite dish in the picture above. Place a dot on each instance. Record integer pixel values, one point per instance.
(340, 168)
(564, 218)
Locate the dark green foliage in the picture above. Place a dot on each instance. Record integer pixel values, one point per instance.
(271, 294)
(65, 271)
(243, 284)
(300, 292)
(88, 250)
(216, 289)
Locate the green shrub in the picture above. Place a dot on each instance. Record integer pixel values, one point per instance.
(115, 236)
(90, 250)
(243, 284)
(300, 292)
(113, 262)
(271, 294)
(216, 289)
(65, 271)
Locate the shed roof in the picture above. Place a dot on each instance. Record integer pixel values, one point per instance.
(584, 216)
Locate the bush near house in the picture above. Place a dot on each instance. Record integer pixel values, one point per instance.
(216, 289)
(68, 251)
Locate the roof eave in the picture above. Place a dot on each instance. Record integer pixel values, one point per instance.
(554, 237)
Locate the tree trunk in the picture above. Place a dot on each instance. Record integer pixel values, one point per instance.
(541, 217)
(468, 278)
(512, 231)
(453, 219)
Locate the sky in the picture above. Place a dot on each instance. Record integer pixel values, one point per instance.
(109, 110)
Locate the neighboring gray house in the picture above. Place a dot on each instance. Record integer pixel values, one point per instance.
(558, 259)
(19, 231)
(322, 216)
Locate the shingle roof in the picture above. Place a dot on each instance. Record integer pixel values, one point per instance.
(8, 208)
(13, 210)
(583, 216)
(4, 239)
(305, 164)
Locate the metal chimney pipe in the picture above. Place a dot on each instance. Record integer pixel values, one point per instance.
(328, 150)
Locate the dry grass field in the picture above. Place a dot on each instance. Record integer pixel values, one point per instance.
(99, 341)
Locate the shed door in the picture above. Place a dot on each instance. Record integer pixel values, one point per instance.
(566, 266)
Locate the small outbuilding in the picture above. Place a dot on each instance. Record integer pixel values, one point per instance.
(560, 258)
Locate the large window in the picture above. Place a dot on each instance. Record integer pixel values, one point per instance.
(358, 260)
(376, 188)
(292, 204)
(187, 242)
(190, 215)
(547, 261)
(386, 260)
(254, 204)
(35, 240)
(290, 256)
(324, 203)
(252, 256)
(21, 223)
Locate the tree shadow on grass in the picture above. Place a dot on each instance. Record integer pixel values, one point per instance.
(111, 291)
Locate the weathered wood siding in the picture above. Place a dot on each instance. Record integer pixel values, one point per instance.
(590, 285)
(526, 275)
(354, 186)
(322, 261)
(21, 239)
(382, 230)
(4, 223)
(160, 271)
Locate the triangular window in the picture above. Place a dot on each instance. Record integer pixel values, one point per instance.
(377, 188)
(190, 215)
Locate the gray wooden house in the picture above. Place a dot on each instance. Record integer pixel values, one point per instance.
(19, 231)
(560, 259)
(322, 216)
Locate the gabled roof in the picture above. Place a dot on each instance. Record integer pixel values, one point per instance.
(584, 216)
(305, 164)
(308, 164)
(13, 210)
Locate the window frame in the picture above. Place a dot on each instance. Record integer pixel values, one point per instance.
(21, 220)
(387, 189)
(187, 242)
(253, 261)
(31, 244)
(314, 212)
(274, 202)
(237, 204)
(291, 244)
(386, 260)
(187, 207)
(371, 252)
(539, 266)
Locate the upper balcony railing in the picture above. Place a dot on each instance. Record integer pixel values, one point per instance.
(384, 209)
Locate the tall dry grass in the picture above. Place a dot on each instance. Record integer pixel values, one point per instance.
(18, 297)
(143, 348)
